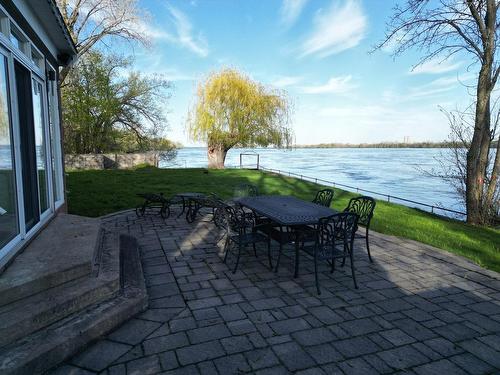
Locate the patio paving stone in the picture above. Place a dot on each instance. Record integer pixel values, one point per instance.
(418, 310)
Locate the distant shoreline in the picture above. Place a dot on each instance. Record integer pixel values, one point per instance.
(379, 145)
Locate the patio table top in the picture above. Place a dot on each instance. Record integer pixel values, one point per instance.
(286, 210)
(190, 195)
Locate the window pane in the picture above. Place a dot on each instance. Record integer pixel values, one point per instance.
(8, 202)
(15, 41)
(40, 145)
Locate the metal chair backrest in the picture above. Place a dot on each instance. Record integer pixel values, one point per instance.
(338, 227)
(363, 207)
(324, 197)
(231, 219)
(245, 190)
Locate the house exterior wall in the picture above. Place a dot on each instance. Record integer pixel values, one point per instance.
(31, 160)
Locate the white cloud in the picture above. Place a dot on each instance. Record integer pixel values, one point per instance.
(436, 66)
(335, 85)
(286, 81)
(337, 29)
(154, 64)
(436, 87)
(291, 10)
(182, 35)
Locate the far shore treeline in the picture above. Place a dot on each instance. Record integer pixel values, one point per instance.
(385, 145)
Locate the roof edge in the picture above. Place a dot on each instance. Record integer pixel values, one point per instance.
(60, 20)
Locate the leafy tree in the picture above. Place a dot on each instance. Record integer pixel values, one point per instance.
(127, 142)
(441, 29)
(232, 110)
(101, 105)
(91, 22)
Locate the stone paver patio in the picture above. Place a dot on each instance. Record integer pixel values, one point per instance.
(417, 310)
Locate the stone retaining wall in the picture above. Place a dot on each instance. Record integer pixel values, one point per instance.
(109, 161)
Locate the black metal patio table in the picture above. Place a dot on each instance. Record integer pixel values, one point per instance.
(287, 211)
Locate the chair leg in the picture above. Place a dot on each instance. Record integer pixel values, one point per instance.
(352, 270)
(269, 254)
(183, 207)
(226, 249)
(279, 258)
(316, 272)
(297, 259)
(238, 258)
(332, 265)
(343, 262)
(368, 247)
(254, 249)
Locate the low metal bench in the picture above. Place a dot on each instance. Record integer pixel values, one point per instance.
(153, 202)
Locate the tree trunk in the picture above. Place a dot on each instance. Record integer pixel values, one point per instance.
(477, 155)
(216, 156)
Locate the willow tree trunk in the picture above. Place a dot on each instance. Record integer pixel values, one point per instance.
(216, 156)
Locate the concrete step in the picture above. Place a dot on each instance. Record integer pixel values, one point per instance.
(28, 315)
(64, 251)
(44, 349)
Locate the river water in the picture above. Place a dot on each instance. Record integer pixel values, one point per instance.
(396, 172)
(392, 171)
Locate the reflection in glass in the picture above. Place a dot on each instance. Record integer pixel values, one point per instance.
(55, 155)
(40, 145)
(8, 207)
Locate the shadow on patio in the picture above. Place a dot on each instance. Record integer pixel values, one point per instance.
(417, 310)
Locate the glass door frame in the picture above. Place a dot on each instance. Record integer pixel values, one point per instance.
(55, 127)
(30, 57)
(16, 146)
(48, 151)
(16, 242)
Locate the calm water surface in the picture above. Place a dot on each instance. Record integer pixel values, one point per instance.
(396, 172)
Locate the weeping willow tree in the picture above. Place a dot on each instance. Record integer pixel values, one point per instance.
(231, 110)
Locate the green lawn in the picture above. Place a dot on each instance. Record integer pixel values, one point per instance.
(96, 193)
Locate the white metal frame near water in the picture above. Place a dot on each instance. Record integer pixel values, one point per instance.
(31, 168)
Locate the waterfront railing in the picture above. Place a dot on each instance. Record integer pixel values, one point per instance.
(390, 198)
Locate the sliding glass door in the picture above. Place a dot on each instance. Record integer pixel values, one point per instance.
(9, 227)
(33, 136)
(31, 166)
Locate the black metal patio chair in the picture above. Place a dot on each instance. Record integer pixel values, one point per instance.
(363, 207)
(334, 240)
(324, 197)
(240, 230)
(203, 203)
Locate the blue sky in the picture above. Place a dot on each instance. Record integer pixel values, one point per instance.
(316, 50)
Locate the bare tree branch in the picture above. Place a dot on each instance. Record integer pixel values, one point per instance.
(91, 22)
